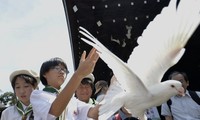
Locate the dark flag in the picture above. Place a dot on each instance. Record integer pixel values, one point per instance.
(117, 24)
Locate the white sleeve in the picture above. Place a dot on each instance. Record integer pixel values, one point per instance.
(83, 109)
(41, 102)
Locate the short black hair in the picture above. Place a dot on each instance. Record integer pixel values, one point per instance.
(49, 64)
(176, 73)
(88, 81)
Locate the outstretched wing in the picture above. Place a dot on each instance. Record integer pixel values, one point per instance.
(162, 42)
(126, 77)
(128, 81)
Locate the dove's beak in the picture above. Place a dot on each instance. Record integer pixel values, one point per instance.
(181, 91)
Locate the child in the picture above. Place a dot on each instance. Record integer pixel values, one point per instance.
(23, 83)
(53, 103)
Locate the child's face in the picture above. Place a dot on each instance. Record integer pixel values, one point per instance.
(84, 92)
(23, 90)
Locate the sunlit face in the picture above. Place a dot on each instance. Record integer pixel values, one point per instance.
(56, 76)
(23, 90)
(84, 92)
(180, 77)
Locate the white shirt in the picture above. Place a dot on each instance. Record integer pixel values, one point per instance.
(11, 113)
(183, 108)
(41, 102)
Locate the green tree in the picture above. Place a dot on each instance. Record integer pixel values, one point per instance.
(8, 98)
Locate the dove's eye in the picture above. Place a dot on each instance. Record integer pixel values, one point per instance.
(172, 86)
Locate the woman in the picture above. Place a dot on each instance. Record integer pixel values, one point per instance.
(23, 83)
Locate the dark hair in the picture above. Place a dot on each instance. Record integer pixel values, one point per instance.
(47, 65)
(86, 81)
(176, 73)
(27, 78)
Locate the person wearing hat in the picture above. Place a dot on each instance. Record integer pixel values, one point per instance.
(85, 90)
(56, 103)
(23, 83)
(101, 88)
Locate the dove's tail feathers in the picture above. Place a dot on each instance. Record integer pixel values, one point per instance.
(108, 109)
(112, 101)
(114, 90)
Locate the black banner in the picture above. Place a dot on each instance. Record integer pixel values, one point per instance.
(117, 24)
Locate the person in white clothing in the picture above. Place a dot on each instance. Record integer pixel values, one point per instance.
(23, 83)
(55, 104)
(84, 91)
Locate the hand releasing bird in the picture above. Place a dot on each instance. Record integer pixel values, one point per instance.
(138, 85)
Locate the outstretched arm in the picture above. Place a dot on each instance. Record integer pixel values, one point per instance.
(86, 66)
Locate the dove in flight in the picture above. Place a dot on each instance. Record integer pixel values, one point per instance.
(138, 85)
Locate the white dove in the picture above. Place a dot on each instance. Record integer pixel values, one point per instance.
(160, 47)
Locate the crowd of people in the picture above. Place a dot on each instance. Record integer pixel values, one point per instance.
(79, 98)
